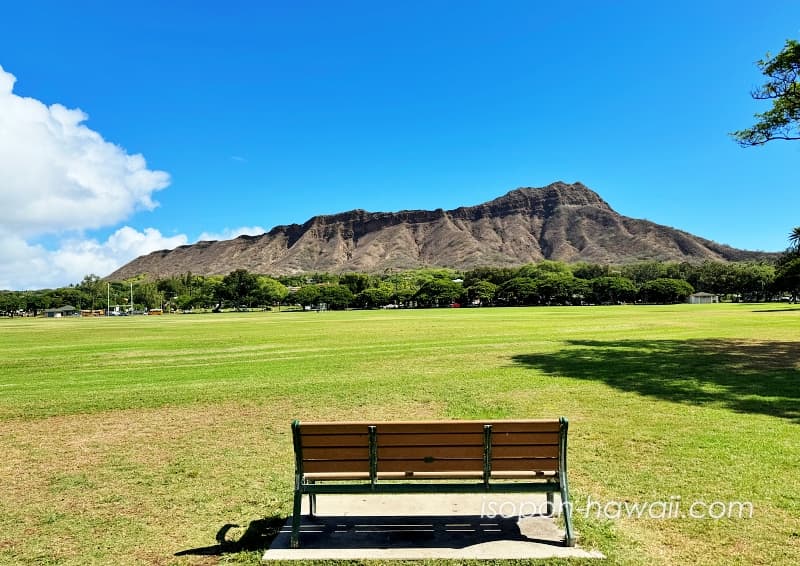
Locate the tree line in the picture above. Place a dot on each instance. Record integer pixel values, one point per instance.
(543, 283)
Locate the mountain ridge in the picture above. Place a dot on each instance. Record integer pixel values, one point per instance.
(566, 222)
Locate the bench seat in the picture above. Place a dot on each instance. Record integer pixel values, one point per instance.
(336, 476)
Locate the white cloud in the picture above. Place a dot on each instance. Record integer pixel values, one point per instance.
(56, 174)
(58, 177)
(26, 266)
(230, 233)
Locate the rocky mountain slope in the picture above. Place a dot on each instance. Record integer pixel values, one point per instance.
(566, 222)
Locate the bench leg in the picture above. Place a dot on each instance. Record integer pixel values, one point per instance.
(566, 506)
(550, 505)
(312, 502)
(295, 540)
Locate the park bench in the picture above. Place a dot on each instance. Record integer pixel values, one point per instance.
(501, 456)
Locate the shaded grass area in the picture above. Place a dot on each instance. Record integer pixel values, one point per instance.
(144, 440)
(744, 376)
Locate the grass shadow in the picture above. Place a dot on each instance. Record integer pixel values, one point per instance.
(744, 376)
(258, 535)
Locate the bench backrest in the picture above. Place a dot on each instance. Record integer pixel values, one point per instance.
(431, 446)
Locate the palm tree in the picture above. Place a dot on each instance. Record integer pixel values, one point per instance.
(794, 238)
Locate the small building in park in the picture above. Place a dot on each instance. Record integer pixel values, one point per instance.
(703, 298)
(66, 310)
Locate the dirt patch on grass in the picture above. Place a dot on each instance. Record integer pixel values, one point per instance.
(147, 483)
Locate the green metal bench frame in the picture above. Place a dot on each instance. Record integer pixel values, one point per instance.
(408, 483)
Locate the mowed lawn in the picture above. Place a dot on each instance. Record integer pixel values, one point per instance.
(141, 440)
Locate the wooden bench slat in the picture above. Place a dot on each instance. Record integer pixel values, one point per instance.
(322, 440)
(520, 464)
(336, 476)
(430, 428)
(431, 422)
(500, 427)
(336, 453)
(421, 452)
(456, 465)
(522, 474)
(333, 428)
(435, 439)
(418, 465)
(529, 438)
(524, 451)
(313, 466)
(399, 476)
(457, 439)
(468, 439)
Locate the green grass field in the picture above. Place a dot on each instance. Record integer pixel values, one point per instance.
(135, 440)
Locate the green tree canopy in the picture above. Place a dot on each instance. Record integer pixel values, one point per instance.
(787, 271)
(94, 289)
(665, 290)
(147, 294)
(518, 291)
(335, 296)
(269, 291)
(583, 270)
(794, 239)
(558, 287)
(752, 281)
(788, 278)
(496, 275)
(306, 296)
(438, 292)
(375, 296)
(210, 289)
(357, 282)
(10, 302)
(782, 121)
(482, 291)
(239, 286)
(644, 271)
(613, 290)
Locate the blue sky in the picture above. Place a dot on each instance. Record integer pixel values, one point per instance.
(255, 114)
